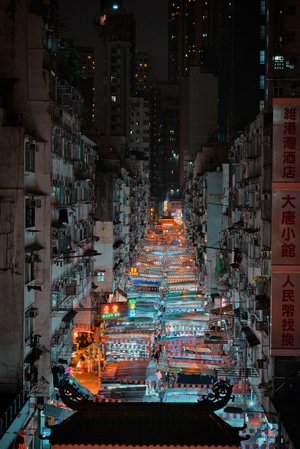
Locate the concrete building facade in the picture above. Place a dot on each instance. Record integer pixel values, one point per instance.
(46, 209)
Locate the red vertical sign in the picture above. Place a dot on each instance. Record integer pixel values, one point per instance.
(286, 311)
(285, 282)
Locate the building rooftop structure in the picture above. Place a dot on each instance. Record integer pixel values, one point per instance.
(147, 424)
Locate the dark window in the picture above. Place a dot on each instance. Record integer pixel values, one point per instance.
(29, 268)
(63, 216)
(290, 36)
(277, 91)
(290, 10)
(29, 156)
(29, 213)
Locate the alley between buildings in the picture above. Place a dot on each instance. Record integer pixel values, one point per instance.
(165, 339)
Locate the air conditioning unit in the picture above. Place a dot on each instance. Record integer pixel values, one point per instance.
(36, 203)
(260, 363)
(36, 339)
(32, 312)
(55, 340)
(259, 325)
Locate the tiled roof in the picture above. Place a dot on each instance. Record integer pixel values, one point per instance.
(144, 424)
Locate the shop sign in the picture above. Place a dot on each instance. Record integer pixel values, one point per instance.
(285, 335)
(131, 307)
(286, 140)
(285, 223)
(113, 310)
(285, 269)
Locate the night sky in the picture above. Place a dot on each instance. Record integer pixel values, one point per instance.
(77, 17)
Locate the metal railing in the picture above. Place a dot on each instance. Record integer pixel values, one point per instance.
(12, 411)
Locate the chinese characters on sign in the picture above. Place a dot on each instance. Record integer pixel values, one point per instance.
(285, 337)
(288, 313)
(113, 310)
(289, 143)
(286, 139)
(285, 334)
(285, 222)
(134, 271)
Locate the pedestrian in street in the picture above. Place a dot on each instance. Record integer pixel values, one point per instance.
(168, 378)
(161, 394)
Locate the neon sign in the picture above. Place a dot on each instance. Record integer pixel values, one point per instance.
(113, 310)
(131, 307)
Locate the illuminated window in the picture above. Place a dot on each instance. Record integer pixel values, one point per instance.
(28, 326)
(113, 98)
(290, 64)
(100, 276)
(261, 82)
(29, 268)
(262, 57)
(278, 62)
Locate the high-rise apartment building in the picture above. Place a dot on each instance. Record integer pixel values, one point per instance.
(87, 89)
(144, 72)
(164, 161)
(224, 39)
(115, 65)
(281, 53)
(46, 208)
(122, 126)
(263, 173)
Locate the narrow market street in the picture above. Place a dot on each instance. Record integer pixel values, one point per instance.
(169, 344)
